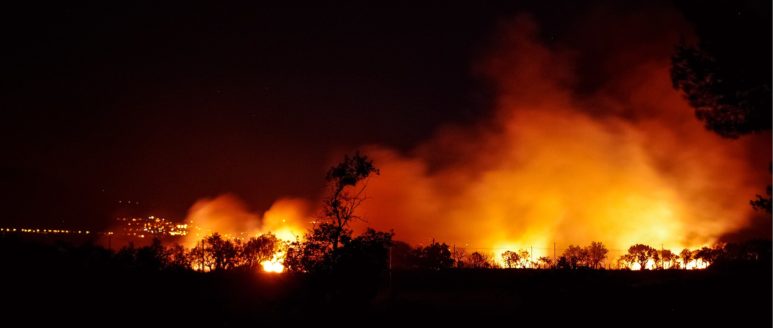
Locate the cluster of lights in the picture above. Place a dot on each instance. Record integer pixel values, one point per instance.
(46, 231)
(152, 226)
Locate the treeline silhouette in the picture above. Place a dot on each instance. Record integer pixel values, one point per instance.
(373, 252)
(336, 278)
(425, 282)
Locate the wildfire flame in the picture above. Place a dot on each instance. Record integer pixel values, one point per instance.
(227, 215)
(274, 265)
(627, 163)
(624, 163)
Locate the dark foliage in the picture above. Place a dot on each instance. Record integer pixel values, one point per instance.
(763, 203)
(726, 75)
(435, 256)
(87, 286)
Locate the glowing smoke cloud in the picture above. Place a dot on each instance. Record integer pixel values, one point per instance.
(626, 164)
(227, 215)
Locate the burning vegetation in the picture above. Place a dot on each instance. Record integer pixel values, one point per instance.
(330, 245)
(624, 163)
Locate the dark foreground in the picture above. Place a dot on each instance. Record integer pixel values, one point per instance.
(60, 291)
(739, 298)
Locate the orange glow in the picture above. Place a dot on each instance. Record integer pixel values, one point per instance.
(625, 164)
(274, 265)
(287, 219)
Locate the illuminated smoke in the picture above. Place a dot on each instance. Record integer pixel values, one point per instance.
(622, 164)
(227, 215)
(627, 163)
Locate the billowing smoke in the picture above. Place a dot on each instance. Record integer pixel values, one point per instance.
(227, 215)
(622, 164)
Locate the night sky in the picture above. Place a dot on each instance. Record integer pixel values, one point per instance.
(166, 104)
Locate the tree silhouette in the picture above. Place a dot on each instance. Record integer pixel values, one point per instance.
(294, 258)
(178, 258)
(259, 249)
(200, 259)
(563, 263)
(667, 259)
(726, 76)
(201, 256)
(545, 262)
(127, 255)
(525, 259)
(686, 255)
(479, 260)
(707, 255)
(344, 196)
(641, 254)
(511, 259)
(321, 249)
(596, 253)
(435, 256)
(367, 253)
(153, 256)
(575, 256)
(222, 251)
(458, 255)
(313, 254)
(625, 261)
(763, 203)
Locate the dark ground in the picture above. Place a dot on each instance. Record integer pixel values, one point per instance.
(39, 288)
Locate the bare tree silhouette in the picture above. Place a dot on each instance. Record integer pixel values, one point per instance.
(345, 196)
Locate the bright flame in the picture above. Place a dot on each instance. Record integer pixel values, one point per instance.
(228, 216)
(275, 265)
(622, 162)
(695, 264)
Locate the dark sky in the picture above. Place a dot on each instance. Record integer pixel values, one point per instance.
(167, 103)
